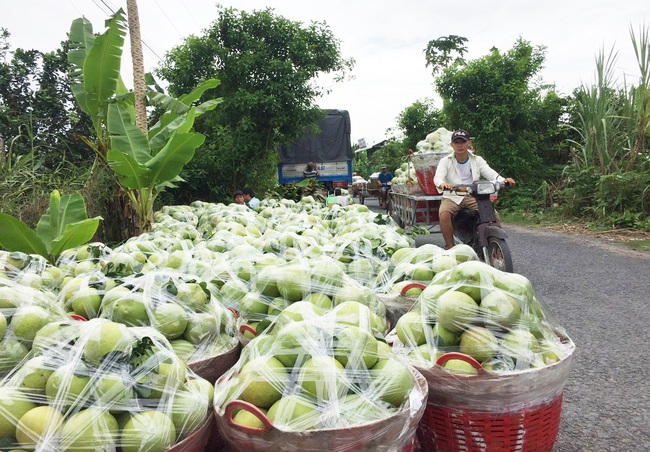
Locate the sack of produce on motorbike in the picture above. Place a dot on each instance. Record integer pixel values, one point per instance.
(492, 316)
(319, 384)
(100, 385)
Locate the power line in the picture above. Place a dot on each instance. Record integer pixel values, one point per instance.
(170, 21)
(152, 53)
(190, 14)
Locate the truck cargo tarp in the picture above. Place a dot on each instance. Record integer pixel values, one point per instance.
(331, 143)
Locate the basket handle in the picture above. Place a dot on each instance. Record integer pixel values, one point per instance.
(246, 406)
(78, 317)
(462, 356)
(410, 286)
(246, 328)
(233, 312)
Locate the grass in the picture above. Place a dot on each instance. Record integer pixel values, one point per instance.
(637, 240)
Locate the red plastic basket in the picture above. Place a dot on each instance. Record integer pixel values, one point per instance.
(488, 412)
(425, 168)
(533, 428)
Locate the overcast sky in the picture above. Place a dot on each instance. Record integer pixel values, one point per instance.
(386, 38)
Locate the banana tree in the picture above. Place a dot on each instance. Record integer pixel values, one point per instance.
(65, 225)
(146, 163)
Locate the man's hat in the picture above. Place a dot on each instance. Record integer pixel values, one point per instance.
(462, 134)
(384, 167)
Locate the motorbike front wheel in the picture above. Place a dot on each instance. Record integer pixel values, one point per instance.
(498, 254)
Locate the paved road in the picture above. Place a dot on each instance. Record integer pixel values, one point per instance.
(600, 293)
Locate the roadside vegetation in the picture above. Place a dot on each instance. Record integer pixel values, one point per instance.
(580, 158)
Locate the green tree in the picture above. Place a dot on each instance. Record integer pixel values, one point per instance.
(493, 97)
(268, 67)
(445, 51)
(36, 105)
(418, 120)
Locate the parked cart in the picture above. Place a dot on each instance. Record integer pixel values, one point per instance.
(414, 210)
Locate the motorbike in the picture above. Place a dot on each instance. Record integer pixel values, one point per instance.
(480, 229)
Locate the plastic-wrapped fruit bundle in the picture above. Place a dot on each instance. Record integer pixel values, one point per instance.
(410, 270)
(319, 385)
(305, 288)
(182, 309)
(23, 312)
(29, 270)
(87, 258)
(492, 316)
(104, 386)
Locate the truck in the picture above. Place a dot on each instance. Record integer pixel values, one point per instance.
(329, 148)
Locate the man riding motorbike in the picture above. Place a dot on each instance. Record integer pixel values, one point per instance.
(384, 178)
(460, 167)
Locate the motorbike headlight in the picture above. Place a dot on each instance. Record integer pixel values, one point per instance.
(485, 188)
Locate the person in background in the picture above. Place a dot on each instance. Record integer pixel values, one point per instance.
(311, 171)
(384, 178)
(460, 167)
(250, 199)
(341, 199)
(331, 199)
(238, 197)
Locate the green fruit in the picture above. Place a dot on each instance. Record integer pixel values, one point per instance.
(12, 352)
(294, 412)
(37, 425)
(442, 337)
(3, 325)
(204, 387)
(248, 419)
(323, 378)
(479, 343)
(33, 375)
(356, 348)
(456, 311)
(64, 388)
(131, 310)
(148, 430)
(170, 319)
(294, 282)
(460, 367)
(392, 381)
(500, 309)
(86, 302)
(320, 300)
(201, 328)
(188, 411)
(89, 429)
(194, 297)
(13, 405)
(297, 312)
(9, 297)
(112, 390)
(263, 381)
(27, 320)
(104, 337)
(253, 306)
(411, 329)
(184, 349)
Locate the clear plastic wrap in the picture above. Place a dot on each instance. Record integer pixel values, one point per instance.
(104, 386)
(319, 385)
(182, 309)
(518, 352)
(23, 311)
